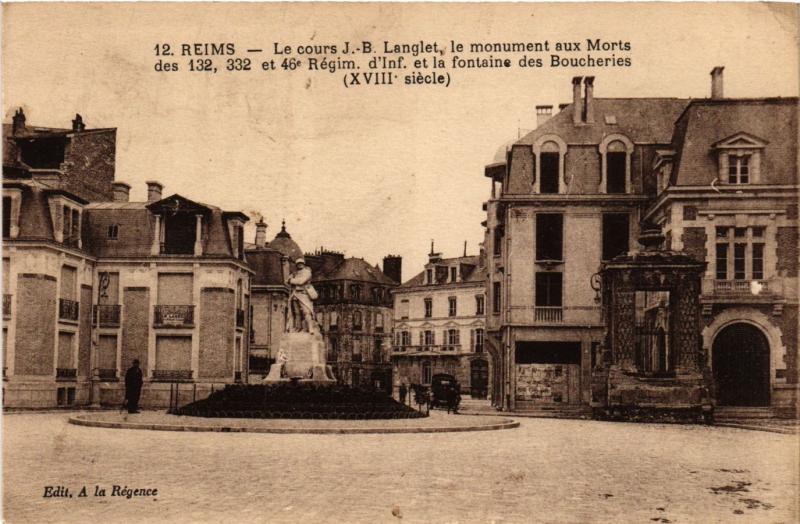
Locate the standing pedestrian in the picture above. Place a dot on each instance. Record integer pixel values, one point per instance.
(403, 392)
(133, 387)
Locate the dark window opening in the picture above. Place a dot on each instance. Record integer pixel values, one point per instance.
(496, 298)
(615, 171)
(548, 289)
(113, 231)
(548, 353)
(498, 241)
(6, 217)
(549, 172)
(179, 234)
(549, 236)
(43, 153)
(739, 261)
(616, 233)
(722, 261)
(758, 261)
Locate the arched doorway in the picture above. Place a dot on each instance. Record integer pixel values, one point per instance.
(479, 378)
(740, 361)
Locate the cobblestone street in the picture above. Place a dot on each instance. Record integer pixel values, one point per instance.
(546, 470)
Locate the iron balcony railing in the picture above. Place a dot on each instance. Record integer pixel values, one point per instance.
(108, 315)
(68, 309)
(7, 305)
(741, 287)
(441, 348)
(548, 314)
(66, 373)
(174, 316)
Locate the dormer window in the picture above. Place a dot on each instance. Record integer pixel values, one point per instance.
(429, 276)
(453, 274)
(739, 158)
(113, 232)
(615, 152)
(66, 216)
(738, 169)
(549, 152)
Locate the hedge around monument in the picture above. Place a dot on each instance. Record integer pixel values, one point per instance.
(299, 401)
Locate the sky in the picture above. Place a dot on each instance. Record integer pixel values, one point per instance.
(368, 171)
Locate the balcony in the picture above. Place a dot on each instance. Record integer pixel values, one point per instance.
(7, 305)
(172, 375)
(428, 349)
(741, 287)
(548, 314)
(240, 318)
(66, 373)
(68, 310)
(181, 316)
(107, 315)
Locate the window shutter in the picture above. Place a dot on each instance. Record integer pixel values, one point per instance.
(421, 338)
(472, 339)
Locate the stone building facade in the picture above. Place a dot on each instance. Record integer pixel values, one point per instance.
(439, 325)
(719, 176)
(354, 310)
(726, 192)
(92, 281)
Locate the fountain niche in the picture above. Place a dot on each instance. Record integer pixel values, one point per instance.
(652, 366)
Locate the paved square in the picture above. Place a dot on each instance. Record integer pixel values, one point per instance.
(546, 470)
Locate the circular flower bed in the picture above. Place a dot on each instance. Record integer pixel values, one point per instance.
(299, 401)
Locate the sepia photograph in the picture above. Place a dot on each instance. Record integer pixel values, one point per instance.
(321, 262)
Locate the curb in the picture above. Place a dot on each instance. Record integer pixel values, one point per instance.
(81, 421)
(783, 431)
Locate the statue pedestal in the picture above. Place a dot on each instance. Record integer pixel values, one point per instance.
(306, 360)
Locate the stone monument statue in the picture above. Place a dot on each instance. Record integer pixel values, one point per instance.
(301, 352)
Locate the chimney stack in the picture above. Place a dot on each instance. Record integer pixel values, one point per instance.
(716, 83)
(261, 233)
(393, 267)
(588, 100)
(154, 190)
(543, 114)
(121, 191)
(77, 123)
(576, 100)
(18, 122)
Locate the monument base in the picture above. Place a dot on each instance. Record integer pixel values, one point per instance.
(305, 360)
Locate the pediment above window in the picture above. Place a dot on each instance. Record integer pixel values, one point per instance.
(740, 140)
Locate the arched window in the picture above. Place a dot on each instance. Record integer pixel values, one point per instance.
(550, 151)
(615, 159)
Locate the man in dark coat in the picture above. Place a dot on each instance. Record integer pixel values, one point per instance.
(133, 387)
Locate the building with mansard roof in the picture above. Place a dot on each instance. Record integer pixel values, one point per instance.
(354, 310)
(719, 176)
(92, 281)
(439, 324)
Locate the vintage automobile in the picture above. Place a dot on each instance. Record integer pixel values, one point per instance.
(441, 384)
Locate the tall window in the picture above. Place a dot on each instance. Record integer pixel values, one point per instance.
(739, 253)
(549, 172)
(427, 372)
(479, 337)
(549, 236)
(498, 241)
(357, 320)
(615, 171)
(738, 169)
(497, 300)
(429, 276)
(548, 289)
(378, 321)
(479, 305)
(453, 274)
(428, 339)
(616, 231)
(404, 308)
(453, 337)
(334, 320)
(452, 306)
(428, 307)
(6, 217)
(405, 338)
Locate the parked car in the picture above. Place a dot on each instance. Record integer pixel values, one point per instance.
(441, 385)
